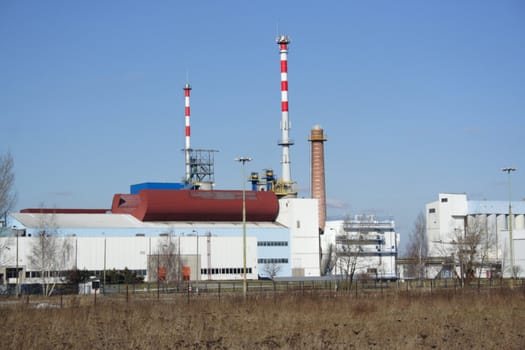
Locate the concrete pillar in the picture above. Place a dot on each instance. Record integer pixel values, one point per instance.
(519, 221)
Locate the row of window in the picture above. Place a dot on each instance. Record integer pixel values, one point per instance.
(273, 261)
(272, 244)
(38, 274)
(225, 271)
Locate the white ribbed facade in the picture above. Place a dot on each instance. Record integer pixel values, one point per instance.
(97, 254)
(452, 214)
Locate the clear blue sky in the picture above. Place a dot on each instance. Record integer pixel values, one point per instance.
(416, 97)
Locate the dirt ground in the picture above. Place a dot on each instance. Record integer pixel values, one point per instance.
(493, 321)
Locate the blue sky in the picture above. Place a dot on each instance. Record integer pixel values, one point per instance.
(415, 97)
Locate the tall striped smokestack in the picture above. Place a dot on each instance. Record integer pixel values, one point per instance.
(318, 179)
(187, 149)
(285, 142)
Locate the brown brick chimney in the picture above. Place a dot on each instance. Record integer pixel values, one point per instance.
(318, 179)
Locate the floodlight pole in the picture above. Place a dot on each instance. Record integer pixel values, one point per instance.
(511, 243)
(104, 275)
(244, 285)
(17, 271)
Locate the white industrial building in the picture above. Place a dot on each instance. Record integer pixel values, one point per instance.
(369, 242)
(208, 250)
(454, 214)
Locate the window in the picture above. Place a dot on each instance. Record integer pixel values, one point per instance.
(431, 210)
(225, 270)
(272, 244)
(444, 200)
(272, 261)
(11, 272)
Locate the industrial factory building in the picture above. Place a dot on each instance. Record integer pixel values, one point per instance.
(199, 227)
(454, 216)
(364, 245)
(279, 241)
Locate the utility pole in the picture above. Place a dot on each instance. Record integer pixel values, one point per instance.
(511, 243)
(244, 283)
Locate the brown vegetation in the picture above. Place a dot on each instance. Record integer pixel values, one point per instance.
(395, 321)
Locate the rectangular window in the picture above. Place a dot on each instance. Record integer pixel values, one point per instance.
(272, 261)
(444, 200)
(431, 210)
(272, 243)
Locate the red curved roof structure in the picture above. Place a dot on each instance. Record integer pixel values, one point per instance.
(197, 205)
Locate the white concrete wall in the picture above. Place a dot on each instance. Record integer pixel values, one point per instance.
(300, 216)
(449, 215)
(132, 253)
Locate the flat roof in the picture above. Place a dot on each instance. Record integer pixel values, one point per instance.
(121, 221)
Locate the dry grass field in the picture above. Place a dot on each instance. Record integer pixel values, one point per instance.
(396, 321)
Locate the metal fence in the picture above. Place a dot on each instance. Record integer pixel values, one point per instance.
(324, 288)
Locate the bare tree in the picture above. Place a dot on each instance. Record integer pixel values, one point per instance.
(271, 269)
(7, 182)
(359, 249)
(5, 247)
(470, 249)
(166, 264)
(487, 247)
(50, 254)
(7, 200)
(417, 248)
(348, 252)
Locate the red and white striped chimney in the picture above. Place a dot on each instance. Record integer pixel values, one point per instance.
(318, 178)
(187, 149)
(285, 141)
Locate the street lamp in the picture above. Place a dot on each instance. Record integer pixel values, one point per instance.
(197, 261)
(243, 160)
(15, 229)
(508, 171)
(104, 274)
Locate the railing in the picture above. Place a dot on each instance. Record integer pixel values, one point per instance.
(321, 287)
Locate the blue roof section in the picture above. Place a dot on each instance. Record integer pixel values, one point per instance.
(136, 188)
(495, 207)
